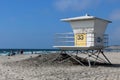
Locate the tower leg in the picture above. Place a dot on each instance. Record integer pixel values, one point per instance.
(89, 63)
(91, 59)
(105, 57)
(97, 56)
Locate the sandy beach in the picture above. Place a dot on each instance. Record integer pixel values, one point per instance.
(37, 67)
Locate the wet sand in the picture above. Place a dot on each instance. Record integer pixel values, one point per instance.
(42, 67)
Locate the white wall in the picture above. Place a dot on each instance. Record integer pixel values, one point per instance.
(100, 26)
(99, 30)
(94, 29)
(90, 40)
(77, 25)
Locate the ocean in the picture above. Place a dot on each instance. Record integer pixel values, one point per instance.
(39, 51)
(26, 51)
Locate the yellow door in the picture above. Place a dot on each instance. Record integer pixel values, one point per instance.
(80, 39)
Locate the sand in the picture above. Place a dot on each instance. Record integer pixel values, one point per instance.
(45, 67)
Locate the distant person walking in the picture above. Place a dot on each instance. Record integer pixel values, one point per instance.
(21, 52)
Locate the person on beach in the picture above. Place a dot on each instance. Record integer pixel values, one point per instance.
(21, 52)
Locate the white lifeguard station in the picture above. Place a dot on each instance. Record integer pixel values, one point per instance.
(88, 34)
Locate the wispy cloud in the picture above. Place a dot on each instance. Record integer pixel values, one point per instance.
(75, 4)
(115, 15)
(78, 5)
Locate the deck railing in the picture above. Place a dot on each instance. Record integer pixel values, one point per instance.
(67, 39)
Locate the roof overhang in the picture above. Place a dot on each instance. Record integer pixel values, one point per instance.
(81, 18)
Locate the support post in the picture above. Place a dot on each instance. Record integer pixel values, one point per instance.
(89, 63)
(105, 57)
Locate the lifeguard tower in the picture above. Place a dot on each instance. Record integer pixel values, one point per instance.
(87, 37)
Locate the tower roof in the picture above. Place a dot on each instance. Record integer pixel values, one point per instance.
(86, 17)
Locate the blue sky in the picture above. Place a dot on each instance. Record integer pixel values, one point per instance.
(33, 23)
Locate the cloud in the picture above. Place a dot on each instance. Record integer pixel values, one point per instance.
(115, 15)
(79, 5)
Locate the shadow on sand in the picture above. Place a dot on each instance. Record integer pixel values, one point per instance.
(108, 65)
